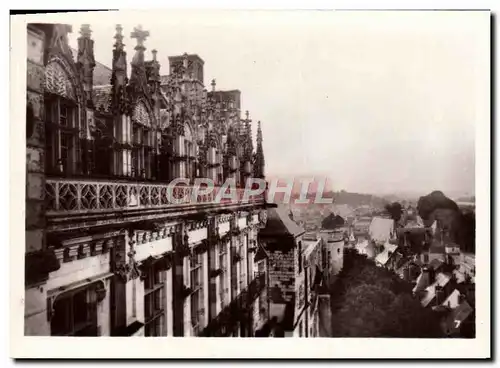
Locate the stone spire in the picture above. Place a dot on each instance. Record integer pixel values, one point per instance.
(138, 78)
(86, 62)
(140, 35)
(119, 75)
(247, 133)
(259, 155)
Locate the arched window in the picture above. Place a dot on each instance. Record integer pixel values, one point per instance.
(142, 140)
(102, 151)
(62, 128)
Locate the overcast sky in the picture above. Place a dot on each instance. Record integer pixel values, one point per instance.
(380, 102)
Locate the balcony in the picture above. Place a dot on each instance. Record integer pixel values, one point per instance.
(91, 199)
(238, 310)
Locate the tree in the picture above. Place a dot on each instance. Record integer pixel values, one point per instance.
(332, 222)
(459, 227)
(395, 210)
(369, 301)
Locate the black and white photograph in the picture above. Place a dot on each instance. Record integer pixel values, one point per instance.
(225, 176)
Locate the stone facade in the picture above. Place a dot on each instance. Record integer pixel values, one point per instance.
(108, 253)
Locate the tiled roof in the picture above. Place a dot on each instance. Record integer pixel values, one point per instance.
(422, 282)
(436, 263)
(441, 280)
(381, 229)
(102, 98)
(102, 73)
(280, 223)
(457, 316)
(453, 299)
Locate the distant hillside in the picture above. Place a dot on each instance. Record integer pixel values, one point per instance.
(355, 199)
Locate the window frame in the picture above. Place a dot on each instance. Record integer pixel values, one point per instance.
(154, 287)
(55, 131)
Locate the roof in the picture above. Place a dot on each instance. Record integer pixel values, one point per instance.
(389, 250)
(189, 57)
(436, 263)
(453, 300)
(280, 223)
(365, 247)
(452, 248)
(459, 276)
(381, 229)
(383, 257)
(102, 73)
(421, 283)
(310, 246)
(458, 315)
(102, 98)
(441, 280)
(260, 254)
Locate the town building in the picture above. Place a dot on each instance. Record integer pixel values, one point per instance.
(296, 285)
(333, 249)
(111, 248)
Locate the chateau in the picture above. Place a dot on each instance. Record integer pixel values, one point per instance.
(108, 253)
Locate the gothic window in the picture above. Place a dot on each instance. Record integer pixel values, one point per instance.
(154, 302)
(75, 314)
(197, 308)
(62, 146)
(141, 140)
(101, 150)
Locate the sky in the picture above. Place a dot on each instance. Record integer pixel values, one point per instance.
(379, 102)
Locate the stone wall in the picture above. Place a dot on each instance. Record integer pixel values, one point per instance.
(281, 275)
(35, 142)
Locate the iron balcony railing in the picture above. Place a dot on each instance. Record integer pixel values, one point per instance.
(66, 196)
(238, 310)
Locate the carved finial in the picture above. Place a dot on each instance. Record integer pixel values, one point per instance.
(185, 60)
(213, 85)
(119, 36)
(154, 52)
(246, 115)
(85, 30)
(140, 35)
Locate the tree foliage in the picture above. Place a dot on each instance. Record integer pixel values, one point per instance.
(460, 226)
(395, 210)
(332, 221)
(369, 301)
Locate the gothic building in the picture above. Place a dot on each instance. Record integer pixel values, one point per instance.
(108, 253)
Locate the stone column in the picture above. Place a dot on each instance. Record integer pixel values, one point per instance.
(39, 261)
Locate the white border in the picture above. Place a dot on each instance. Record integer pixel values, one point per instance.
(50, 347)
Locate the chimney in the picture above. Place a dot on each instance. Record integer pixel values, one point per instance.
(439, 295)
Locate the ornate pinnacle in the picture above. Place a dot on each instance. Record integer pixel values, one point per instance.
(246, 115)
(141, 36)
(119, 37)
(213, 85)
(85, 30)
(154, 52)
